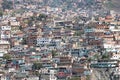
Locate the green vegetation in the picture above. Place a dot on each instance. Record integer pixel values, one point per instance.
(75, 78)
(24, 41)
(7, 56)
(36, 66)
(96, 56)
(42, 17)
(20, 27)
(89, 59)
(105, 56)
(19, 11)
(32, 18)
(88, 77)
(78, 33)
(54, 53)
(30, 22)
(1, 13)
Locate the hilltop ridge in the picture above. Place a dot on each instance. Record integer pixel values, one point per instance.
(113, 5)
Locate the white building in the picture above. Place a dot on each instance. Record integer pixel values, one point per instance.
(43, 41)
(14, 23)
(111, 47)
(52, 75)
(5, 35)
(5, 27)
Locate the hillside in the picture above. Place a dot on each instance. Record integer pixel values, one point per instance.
(113, 5)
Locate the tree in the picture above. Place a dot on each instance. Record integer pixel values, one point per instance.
(36, 66)
(42, 17)
(1, 13)
(7, 56)
(96, 56)
(89, 59)
(20, 27)
(30, 22)
(78, 33)
(105, 56)
(88, 77)
(32, 18)
(54, 53)
(24, 41)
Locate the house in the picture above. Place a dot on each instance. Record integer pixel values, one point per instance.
(77, 52)
(2, 75)
(52, 74)
(4, 45)
(2, 53)
(14, 23)
(5, 35)
(46, 63)
(5, 32)
(109, 18)
(80, 69)
(35, 57)
(28, 14)
(65, 62)
(20, 76)
(5, 28)
(48, 74)
(30, 36)
(43, 41)
(32, 78)
(63, 73)
(32, 39)
(17, 48)
(115, 56)
(62, 23)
